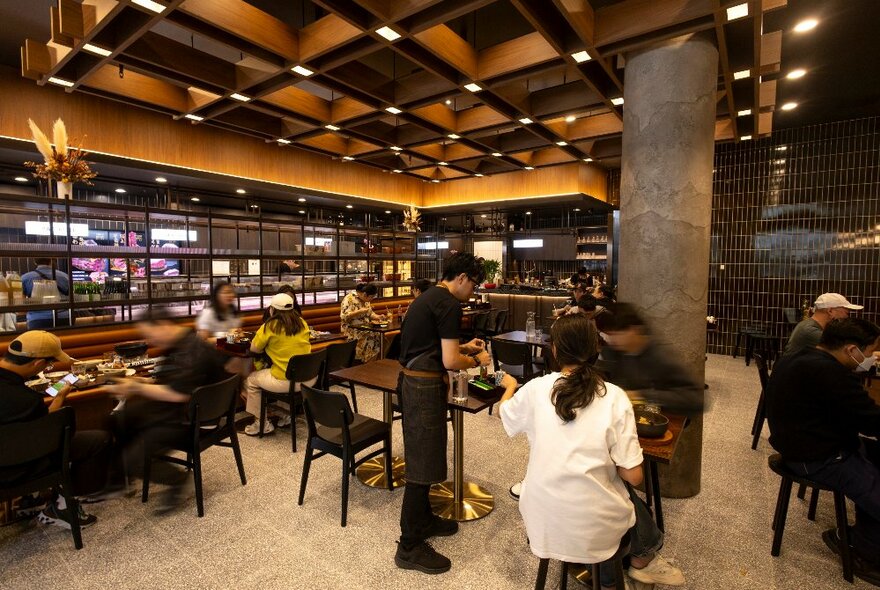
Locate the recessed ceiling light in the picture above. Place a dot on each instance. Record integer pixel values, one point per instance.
(239, 97)
(525, 121)
(577, 209)
(150, 5)
(745, 138)
(581, 56)
(194, 117)
(388, 33)
(396, 148)
(484, 216)
(283, 141)
(742, 74)
(97, 50)
(61, 82)
(528, 212)
(806, 25)
(20, 179)
(194, 199)
(435, 180)
(738, 11)
(497, 154)
(744, 113)
(561, 143)
(478, 174)
(529, 168)
(349, 206)
(348, 158)
(397, 171)
(570, 119)
(161, 179)
(301, 199)
(472, 87)
(120, 190)
(331, 127)
(789, 106)
(241, 191)
(588, 159)
(781, 148)
(302, 212)
(442, 164)
(387, 212)
(448, 102)
(795, 74)
(617, 101)
(393, 110)
(302, 71)
(453, 136)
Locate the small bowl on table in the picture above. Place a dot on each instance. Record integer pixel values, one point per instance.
(650, 424)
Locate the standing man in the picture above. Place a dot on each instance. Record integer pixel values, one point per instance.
(808, 332)
(37, 320)
(430, 347)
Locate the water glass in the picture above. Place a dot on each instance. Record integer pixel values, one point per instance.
(460, 386)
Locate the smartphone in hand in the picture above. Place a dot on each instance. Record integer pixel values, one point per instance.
(55, 388)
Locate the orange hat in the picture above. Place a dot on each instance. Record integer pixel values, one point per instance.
(38, 344)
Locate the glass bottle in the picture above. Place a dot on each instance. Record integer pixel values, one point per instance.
(530, 324)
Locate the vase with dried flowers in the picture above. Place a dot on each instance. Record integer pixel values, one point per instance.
(65, 165)
(412, 219)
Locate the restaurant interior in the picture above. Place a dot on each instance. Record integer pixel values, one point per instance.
(693, 158)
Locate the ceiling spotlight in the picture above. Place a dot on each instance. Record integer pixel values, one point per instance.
(561, 143)
(239, 97)
(806, 25)
(478, 175)
(348, 158)
(120, 190)
(241, 191)
(497, 154)
(150, 5)
(97, 50)
(484, 216)
(435, 180)
(789, 106)
(570, 119)
(395, 148)
(388, 33)
(331, 127)
(387, 212)
(194, 199)
(742, 74)
(448, 101)
(738, 11)
(617, 101)
(397, 171)
(61, 82)
(393, 110)
(20, 179)
(525, 121)
(744, 113)
(795, 74)
(194, 117)
(745, 138)
(529, 168)
(472, 87)
(302, 71)
(302, 212)
(528, 212)
(442, 164)
(283, 141)
(161, 179)
(577, 209)
(588, 159)
(453, 136)
(349, 206)
(301, 199)
(581, 56)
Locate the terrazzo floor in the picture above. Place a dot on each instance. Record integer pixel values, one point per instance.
(255, 536)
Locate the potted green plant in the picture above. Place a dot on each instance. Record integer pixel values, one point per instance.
(490, 269)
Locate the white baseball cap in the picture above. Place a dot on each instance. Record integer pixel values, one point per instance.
(282, 301)
(833, 300)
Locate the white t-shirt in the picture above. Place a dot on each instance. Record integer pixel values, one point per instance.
(573, 502)
(208, 321)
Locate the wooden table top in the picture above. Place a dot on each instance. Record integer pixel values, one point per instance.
(663, 453)
(221, 344)
(520, 336)
(390, 327)
(478, 311)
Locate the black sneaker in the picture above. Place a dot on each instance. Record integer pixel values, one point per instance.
(30, 505)
(440, 527)
(422, 558)
(61, 518)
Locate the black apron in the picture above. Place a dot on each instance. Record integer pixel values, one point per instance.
(423, 402)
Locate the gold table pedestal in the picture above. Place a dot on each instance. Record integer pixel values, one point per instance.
(582, 573)
(372, 472)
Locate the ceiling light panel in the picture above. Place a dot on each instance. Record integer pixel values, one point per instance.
(742, 74)
(150, 5)
(302, 71)
(388, 33)
(91, 48)
(581, 56)
(738, 11)
(239, 97)
(472, 87)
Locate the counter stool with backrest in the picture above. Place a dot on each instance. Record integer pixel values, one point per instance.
(340, 356)
(761, 410)
(301, 368)
(46, 438)
(617, 559)
(335, 430)
(757, 340)
(211, 414)
(788, 478)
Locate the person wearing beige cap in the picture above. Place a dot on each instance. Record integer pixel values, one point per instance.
(26, 357)
(808, 332)
(285, 334)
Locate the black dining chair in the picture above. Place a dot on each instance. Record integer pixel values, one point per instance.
(301, 368)
(335, 430)
(45, 440)
(211, 421)
(761, 410)
(514, 358)
(340, 356)
(616, 559)
(392, 352)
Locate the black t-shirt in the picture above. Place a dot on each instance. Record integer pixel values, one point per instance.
(817, 407)
(189, 364)
(434, 316)
(18, 402)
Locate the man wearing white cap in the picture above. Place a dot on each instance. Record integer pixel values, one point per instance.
(828, 306)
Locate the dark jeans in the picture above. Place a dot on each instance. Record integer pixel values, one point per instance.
(415, 514)
(90, 453)
(857, 475)
(645, 538)
(144, 421)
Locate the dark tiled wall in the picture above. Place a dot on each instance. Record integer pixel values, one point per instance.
(794, 215)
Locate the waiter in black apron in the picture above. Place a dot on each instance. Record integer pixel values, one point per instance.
(429, 347)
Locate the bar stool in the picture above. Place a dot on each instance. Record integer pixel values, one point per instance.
(761, 410)
(788, 478)
(617, 559)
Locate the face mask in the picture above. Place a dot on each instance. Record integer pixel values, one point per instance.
(865, 365)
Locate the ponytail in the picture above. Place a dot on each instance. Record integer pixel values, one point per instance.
(575, 342)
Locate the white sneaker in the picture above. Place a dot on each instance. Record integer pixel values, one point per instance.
(284, 421)
(254, 429)
(515, 490)
(658, 571)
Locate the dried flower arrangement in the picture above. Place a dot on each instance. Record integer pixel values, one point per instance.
(412, 219)
(63, 163)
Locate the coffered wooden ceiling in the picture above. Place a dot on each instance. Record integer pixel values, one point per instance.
(482, 86)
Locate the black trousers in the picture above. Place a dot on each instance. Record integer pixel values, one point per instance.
(415, 514)
(90, 454)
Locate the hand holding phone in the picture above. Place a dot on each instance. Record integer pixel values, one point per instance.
(66, 381)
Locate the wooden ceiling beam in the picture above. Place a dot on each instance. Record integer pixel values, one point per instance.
(140, 87)
(345, 108)
(55, 26)
(351, 12)
(588, 127)
(724, 62)
(196, 25)
(516, 54)
(390, 11)
(478, 117)
(449, 47)
(300, 101)
(632, 19)
(440, 13)
(169, 55)
(326, 34)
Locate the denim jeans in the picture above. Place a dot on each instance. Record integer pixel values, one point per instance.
(645, 538)
(857, 475)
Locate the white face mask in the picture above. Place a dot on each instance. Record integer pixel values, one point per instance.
(865, 365)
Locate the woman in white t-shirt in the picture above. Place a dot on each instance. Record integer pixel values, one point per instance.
(220, 315)
(583, 447)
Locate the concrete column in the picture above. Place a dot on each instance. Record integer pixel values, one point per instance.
(665, 209)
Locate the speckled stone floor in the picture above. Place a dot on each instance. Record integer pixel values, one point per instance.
(255, 536)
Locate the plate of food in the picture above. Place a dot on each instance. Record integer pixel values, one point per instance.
(113, 369)
(651, 424)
